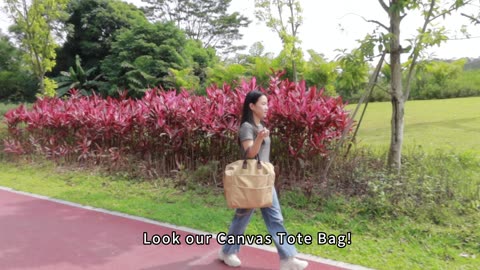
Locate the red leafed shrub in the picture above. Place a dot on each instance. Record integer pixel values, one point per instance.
(305, 120)
(167, 130)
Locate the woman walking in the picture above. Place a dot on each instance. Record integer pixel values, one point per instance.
(254, 139)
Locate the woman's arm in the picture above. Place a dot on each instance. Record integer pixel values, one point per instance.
(253, 146)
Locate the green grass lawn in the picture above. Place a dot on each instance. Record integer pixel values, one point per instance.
(379, 243)
(444, 124)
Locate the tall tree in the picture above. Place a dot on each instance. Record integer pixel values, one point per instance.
(142, 57)
(204, 20)
(354, 74)
(93, 24)
(428, 35)
(284, 17)
(321, 73)
(33, 26)
(16, 82)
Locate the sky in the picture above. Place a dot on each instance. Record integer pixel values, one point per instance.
(331, 25)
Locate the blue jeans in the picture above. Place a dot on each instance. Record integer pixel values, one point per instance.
(273, 220)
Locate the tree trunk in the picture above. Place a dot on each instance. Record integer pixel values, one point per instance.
(41, 84)
(294, 68)
(396, 140)
(398, 104)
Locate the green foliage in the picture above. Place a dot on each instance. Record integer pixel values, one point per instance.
(442, 71)
(142, 56)
(207, 21)
(261, 67)
(16, 83)
(50, 87)
(33, 28)
(9, 54)
(467, 84)
(320, 73)
(434, 79)
(184, 79)
(199, 59)
(17, 86)
(354, 74)
(79, 79)
(257, 49)
(258, 64)
(430, 180)
(93, 26)
(228, 74)
(285, 24)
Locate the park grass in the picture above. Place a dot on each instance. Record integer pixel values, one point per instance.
(452, 124)
(376, 242)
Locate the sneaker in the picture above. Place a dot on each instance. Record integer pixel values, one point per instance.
(293, 263)
(229, 259)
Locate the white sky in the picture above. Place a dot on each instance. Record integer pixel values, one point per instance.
(321, 29)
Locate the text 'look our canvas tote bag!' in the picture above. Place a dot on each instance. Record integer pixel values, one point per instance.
(248, 183)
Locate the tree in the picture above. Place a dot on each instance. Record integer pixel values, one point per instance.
(257, 49)
(220, 74)
(200, 59)
(321, 73)
(93, 24)
(285, 25)
(16, 82)
(432, 78)
(257, 63)
(428, 35)
(141, 57)
(33, 25)
(354, 74)
(203, 20)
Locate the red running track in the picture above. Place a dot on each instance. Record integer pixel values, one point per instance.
(38, 233)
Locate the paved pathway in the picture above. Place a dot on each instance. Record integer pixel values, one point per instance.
(40, 233)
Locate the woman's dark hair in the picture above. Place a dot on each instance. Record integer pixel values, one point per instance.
(247, 114)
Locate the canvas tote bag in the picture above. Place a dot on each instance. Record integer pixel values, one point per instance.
(248, 183)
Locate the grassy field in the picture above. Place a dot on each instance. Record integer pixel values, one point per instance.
(380, 243)
(452, 124)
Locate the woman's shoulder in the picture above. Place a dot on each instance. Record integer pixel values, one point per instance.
(250, 125)
(246, 125)
(246, 128)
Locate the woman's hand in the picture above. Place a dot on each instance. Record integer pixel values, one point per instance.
(252, 147)
(264, 133)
